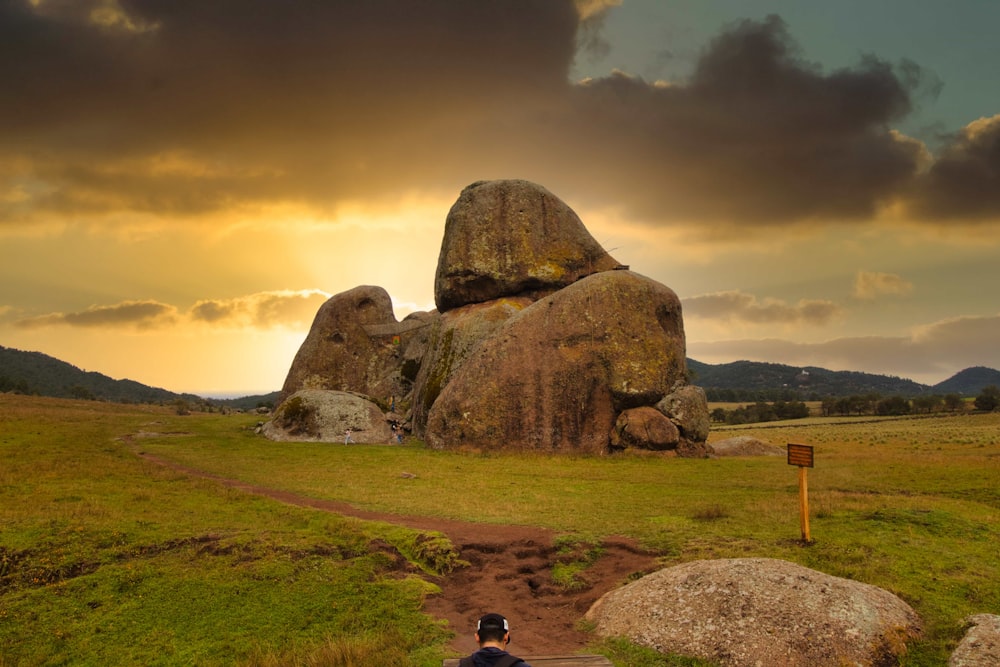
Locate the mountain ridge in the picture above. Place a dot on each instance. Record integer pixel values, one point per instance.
(39, 373)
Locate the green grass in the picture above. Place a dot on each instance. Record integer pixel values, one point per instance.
(100, 546)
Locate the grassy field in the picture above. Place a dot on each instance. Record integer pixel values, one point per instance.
(106, 558)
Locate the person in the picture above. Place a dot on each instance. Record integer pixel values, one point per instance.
(347, 437)
(492, 635)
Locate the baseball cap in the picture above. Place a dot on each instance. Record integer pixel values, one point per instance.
(492, 621)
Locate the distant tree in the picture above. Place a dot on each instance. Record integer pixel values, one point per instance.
(989, 399)
(719, 415)
(894, 405)
(791, 409)
(78, 391)
(927, 404)
(953, 403)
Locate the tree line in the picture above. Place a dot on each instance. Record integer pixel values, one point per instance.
(857, 405)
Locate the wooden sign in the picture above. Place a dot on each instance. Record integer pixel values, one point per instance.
(800, 455)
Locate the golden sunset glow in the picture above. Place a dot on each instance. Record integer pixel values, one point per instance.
(183, 184)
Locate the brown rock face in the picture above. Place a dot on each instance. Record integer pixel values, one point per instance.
(746, 612)
(512, 238)
(450, 341)
(555, 376)
(354, 344)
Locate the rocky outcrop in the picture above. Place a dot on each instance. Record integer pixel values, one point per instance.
(980, 647)
(541, 340)
(759, 611)
(555, 376)
(317, 415)
(512, 238)
(355, 344)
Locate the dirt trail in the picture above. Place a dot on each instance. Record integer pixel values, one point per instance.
(510, 573)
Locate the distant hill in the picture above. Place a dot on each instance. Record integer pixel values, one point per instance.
(769, 381)
(37, 373)
(969, 382)
(248, 403)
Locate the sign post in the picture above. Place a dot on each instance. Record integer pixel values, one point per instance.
(802, 456)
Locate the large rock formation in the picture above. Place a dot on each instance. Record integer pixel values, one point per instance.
(541, 340)
(759, 611)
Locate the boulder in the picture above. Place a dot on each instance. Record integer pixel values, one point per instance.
(644, 428)
(317, 415)
(687, 407)
(980, 647)
(758, 611)
(555, 376)
(355, 344)
(744, 445)
(451, 339)
(512, 238)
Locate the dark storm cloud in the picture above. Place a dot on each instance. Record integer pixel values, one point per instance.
(181, 107)
(964, 182)
(293, 100)
(757, 134)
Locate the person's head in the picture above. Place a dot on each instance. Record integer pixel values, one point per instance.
(493, 629)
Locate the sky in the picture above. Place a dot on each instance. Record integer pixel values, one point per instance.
(183, 183)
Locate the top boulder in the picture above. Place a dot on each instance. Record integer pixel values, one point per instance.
(512, 238)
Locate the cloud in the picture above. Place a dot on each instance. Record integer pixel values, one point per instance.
(128, 314)
(930, 354)
(738, 306)
(869, 285)
(263, 310)
(182, 109)
(964, 182)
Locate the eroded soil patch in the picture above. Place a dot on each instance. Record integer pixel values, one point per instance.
(510, 572)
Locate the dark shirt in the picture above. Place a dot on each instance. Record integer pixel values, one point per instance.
(488, 656)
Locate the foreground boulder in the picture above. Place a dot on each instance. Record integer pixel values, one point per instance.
(555, 375)
(317, 415)
(759, 611)
(512, 238)
(980, 647)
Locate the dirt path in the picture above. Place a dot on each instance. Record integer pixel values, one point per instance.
(510, 573)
